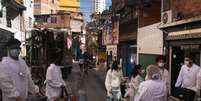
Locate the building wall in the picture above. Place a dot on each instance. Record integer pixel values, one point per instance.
(45, 7)
(76, 22)
(99, 6)
(149, 44)
(189, 8)
(76, 25)
(150, 14)
(150, 40)
(53, 21)
(28, 14)
(69, 5)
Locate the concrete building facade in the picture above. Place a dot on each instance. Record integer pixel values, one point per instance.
(99, 6)
(11, 22)
(45, 7)
(69, 5)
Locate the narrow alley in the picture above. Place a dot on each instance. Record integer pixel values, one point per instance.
(87, 88)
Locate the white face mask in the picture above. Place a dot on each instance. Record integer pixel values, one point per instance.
(161, 64)
(14, 53)
(186, 62)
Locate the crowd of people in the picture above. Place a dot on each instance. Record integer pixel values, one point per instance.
(154, 84)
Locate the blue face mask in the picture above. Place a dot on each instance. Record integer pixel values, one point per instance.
(14, 53)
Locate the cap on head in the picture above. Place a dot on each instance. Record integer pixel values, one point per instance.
(13, 43)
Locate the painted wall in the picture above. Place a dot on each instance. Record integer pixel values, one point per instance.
(76, 25)
(69, 5)
(189, 8)
(45, 6)
(28, 14)
(150, 40)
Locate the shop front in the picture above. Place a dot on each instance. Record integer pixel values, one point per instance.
(177, 51)
(181, 40)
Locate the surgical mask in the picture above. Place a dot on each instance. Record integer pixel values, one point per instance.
(14, 53)
(161, 64)
(186, 62)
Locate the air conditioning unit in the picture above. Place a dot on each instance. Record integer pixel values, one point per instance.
(167, 17)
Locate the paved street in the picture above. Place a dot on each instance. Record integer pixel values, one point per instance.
(89, 88)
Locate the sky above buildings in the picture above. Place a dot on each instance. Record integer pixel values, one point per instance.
(86, 8)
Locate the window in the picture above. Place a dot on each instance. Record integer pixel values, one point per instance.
(53, 20)
(37, 6)
(51, 11)
(30, 22)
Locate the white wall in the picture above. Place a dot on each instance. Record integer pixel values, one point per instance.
(28, 14)
(3, 21)
(100, 5)
(150, 40)
(76, 25)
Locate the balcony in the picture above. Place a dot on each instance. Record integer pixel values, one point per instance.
(52, 21)
(69, 5)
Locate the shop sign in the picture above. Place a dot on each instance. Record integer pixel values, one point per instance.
(185, 36)
(112, 48)
(189, 47)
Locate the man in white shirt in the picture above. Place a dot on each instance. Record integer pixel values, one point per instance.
(160, 60)
(187, 79)
(153, 89)
(164, 74)
(17, 70)
(7, 86)
(54, 81)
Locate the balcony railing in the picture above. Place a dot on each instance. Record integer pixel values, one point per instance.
(52, 21)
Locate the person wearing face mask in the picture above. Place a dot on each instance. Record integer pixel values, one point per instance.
(136, 79)
(160, 61)
(18, 71)
(153, 89)
(164, 74)
(186, 81)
